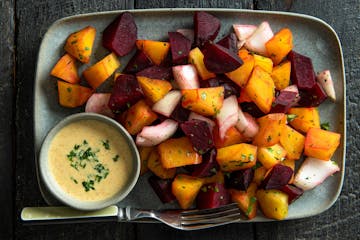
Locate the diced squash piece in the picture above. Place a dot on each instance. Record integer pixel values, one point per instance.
(154, 89)
(271, 127)
(72, 95)
(270, 156)
(144, 156)
(156, 167)
(232, 136)
(321, 144)
(102, 70)
(155, 50)
(263, 62)
(241, 75)
(260, 89)
(259, 175)
(279, 45)
(244, 97)
(293, 142)
(79, 44)
(217, 178)
(177, 152)
(185, 188)
(66, 69)
(138, 116)
(273, 203)
(291, 164)
(305, 118)
(236, 157)
(281, 75)
(196, 58)
(204, 101)
(246, 200)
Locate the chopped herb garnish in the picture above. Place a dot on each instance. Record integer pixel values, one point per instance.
(74, 180)
(252, 201)
(87, 48)
(251, 157)
(116, 158)
(268, 139)
(106, 144)
(88, 185)
(291, 117)
(325, 126)
(216, 189)
(69, 89)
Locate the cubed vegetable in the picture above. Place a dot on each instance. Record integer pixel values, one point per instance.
(155, 50)
(154, 89)
(281, 75)
(264, 62)
(72, 95)
(271, 127)
(237, 157)
(320, 143)
(212, 195)
(66, 69)
(270, 156)
(185, 188)
(178, 152)
(293, 142)
(196, 58)
(79, 44)
(157, 168)
(279, 45)
(273, 203)
(144, 156)
(302, 119)
(241, 75)
(246, 200)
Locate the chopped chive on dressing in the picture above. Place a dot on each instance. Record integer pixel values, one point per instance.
(106, 144)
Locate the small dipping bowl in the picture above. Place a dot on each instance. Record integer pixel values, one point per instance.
(48, 178)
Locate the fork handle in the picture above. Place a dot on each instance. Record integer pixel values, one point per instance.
(130, 213)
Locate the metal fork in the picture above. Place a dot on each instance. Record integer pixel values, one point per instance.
(188, 219)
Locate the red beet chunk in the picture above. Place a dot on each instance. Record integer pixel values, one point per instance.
(239, 180)
(208, 167)
(229, 42)
(230, 87)
(180, 48)
(292, 191)
(302, 71)
(137, 63)
(126, 91)
(277, 178)
(252, 109)
(313, 97)
(206, 27)
(156, 72)
(120, 36)
(162, 188)
(218, 59)
(212, 196)
(180, 114)
(199, 134)
(283, 102)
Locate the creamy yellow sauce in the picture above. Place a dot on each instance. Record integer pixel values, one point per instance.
(90, 160)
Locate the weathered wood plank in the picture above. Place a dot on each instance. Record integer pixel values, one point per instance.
(244, 4)
(7, 37)
(33, 19)
(342, 220)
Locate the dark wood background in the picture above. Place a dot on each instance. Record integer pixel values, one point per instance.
(22, 25)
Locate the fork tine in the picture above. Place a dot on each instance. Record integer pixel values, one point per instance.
(211, 215)
(231, 217)
(196, 212)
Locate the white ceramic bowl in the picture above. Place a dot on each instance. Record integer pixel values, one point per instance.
(55, 189)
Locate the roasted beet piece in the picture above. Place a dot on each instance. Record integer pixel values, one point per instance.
(120, 36)
(208, 167)
(156, 72)
(292, 191)
(283, 102)
(312, 97)
(302, 71)
(180, 114)
(206, 27)
(252, 109)
(229, 42)
(180, 47)
(239, 180)
(199, 134)
(212, 196)
(162, 188)
(137, 63)
(230, 87)
(126, 91)
(218, 59)
(277, 178)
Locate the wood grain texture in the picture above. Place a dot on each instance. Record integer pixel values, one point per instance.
(7, 36)
(341, 221)
(33, 19)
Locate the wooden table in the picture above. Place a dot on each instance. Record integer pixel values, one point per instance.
(24, 22)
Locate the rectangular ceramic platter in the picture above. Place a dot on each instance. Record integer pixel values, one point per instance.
(312, 37)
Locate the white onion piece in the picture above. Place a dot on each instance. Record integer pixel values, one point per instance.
(167, 104)
(98, 103)
(153, 135)
(186, 76)
(313, 172)
(228, 115)
(256, 42)
(243, 32)
(326, 82)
